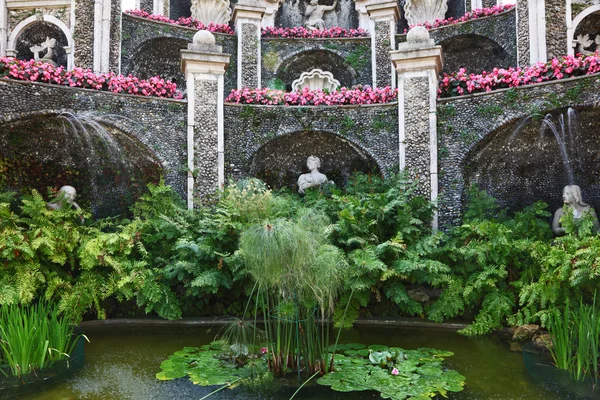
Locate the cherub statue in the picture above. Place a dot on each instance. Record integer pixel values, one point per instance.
(573, 200)
(314, 15)
(49, 44)
(314, 177)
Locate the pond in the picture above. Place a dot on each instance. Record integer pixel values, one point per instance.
(121, 363)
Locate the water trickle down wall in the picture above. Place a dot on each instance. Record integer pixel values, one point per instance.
(108, 168)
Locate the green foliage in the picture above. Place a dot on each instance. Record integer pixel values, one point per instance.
(395, 373)
(33, 338)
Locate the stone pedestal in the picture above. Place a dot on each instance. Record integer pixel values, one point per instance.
(204, 65)
(384, 16)
(418, 63)
(247, 17)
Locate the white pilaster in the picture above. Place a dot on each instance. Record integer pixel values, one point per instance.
(3, 28)
(158, 7)
(476, 4)
(537, 31)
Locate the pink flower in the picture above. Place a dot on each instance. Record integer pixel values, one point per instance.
(395, 372)
(263, 350)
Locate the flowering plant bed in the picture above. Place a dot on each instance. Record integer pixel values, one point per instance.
(36, 71)
(469, 16)
(183, 21)
(461, 83)
(303, 33)
(307, 97)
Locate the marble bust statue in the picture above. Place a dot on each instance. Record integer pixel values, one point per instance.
(573, 201)
(314, 177)
(313, 15)
(65, 198)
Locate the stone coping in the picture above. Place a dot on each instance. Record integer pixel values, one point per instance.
(413, 322)
(86, 90)
(188, 28)
(278, 106)
(466, 22)
(522, 87)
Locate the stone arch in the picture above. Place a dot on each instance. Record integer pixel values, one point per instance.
(157, 56)
(21, 26)
(107, 165)
(576, 23)
(281, 160)
(474, 52)
(293, 66)
(518, 165)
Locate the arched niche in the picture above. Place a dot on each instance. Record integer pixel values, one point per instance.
(282, 160)
(586, 23)
(518, 164)
(33, 31)
(108, 168)
(293, 67)
(475, 53)
(158, 57)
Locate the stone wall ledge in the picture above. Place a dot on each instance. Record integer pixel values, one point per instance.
(392, 104)
(531, 86)
(5, 81)
(185, 28)
(458, 24)
(351, 39)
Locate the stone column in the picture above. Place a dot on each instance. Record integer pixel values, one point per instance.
(418, 63)
(3, 27)
(161, 7)
(106, 35)
(384, 16)
(204, 65)
(531, 32)
(247, 17)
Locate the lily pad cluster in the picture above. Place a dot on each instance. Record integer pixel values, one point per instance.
(395, 373)
(215, 364)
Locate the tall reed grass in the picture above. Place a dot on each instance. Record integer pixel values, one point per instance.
(576, 340)
(33, 338)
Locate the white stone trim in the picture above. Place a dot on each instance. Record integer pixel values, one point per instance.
(572, 25)
(3, 27)
(37, 3)
(476, 4)
(433, 142)
(401, 125)
(393, 47)
(106, 39)
(220, 132)
(537, 31)
(159, 7)
(191, 105)
(14, 35)
(373, 54)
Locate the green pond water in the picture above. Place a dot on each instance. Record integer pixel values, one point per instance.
(121, 363)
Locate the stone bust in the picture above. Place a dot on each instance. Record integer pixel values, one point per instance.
(314, 177)
(64, 199)
(573, 201)
(313, 15)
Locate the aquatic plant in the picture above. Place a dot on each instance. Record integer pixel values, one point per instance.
(395, 373)
(34, 337)
(575, 333)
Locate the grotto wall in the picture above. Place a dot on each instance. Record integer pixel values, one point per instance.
(346, 138)
(477, 144)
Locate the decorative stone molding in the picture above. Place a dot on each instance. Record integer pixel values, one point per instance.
(271, 8)
(420, 11)
(418, 63)
(315, 80)
(247, 17)
(14, 35)
(204, 64)
(384, 16)
(3, 27)
(207, 11)
(573, 24)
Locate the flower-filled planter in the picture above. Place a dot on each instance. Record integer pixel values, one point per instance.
(188, 22)
(469, 16)
(303, 33)
(307, 97)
